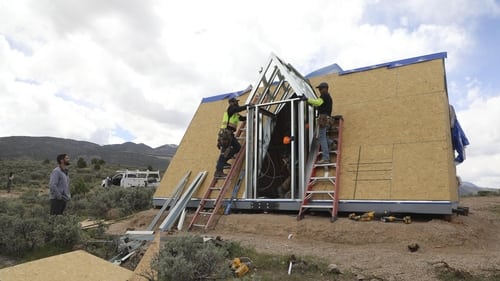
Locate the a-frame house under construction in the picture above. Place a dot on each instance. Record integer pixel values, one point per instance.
(391, 143)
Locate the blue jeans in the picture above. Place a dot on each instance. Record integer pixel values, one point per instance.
(323, 141)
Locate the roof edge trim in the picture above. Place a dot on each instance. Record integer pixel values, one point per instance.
(397, 63)
(226, 95)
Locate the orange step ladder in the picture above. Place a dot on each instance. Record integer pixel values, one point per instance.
(323, 188)
(211, 202)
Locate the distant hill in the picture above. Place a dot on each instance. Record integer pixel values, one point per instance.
(127, 154)
(468, 189)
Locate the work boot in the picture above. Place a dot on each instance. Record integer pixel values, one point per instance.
(220, 174)
(323, 161)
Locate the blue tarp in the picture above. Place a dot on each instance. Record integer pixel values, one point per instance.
(226, 96)
(334, 68)
(459, 141)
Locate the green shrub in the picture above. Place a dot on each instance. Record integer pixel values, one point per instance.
(81, 163)
(30, 197)
(26, 228)
(39, 175)
(79, 187)
(65, 231)
(187, 258)
(98, 203)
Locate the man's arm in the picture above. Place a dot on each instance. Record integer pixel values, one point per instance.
(235, 109)
(315, 102)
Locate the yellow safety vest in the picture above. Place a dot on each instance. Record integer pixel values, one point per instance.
(230, 122)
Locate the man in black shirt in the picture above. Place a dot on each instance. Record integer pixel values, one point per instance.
(324, 105)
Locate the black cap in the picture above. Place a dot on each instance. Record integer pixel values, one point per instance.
(322, 85)
(233, 99)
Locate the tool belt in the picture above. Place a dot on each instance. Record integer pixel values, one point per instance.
(324, 120)
(224, 138)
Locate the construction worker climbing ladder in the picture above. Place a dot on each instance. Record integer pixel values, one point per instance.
(226, 141)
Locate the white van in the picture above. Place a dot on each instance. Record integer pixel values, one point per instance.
(130, 178)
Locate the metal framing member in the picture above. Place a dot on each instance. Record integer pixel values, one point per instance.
(176, 210)
(172, 200)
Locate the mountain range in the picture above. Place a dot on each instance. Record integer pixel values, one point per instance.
(468, 189)
(127, 154)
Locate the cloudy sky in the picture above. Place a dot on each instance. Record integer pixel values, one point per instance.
(122, 70)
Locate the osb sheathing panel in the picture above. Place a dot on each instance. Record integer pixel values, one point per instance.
(75, 266)
(396, 128)
(197, 151)
(143, 269)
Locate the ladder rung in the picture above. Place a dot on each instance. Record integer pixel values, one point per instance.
(199, 225)
(326, 165)
(215, 188)
(323, 178)
(331, 151)
(320, 191)
(206, 213)
(318, 206)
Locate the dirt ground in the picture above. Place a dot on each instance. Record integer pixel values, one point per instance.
(374, 248)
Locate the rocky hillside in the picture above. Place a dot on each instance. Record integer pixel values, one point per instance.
(41, 148)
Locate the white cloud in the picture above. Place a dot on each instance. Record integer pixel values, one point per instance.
(91, 70)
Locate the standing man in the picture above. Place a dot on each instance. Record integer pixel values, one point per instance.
(10, 182)
(227, 142)
(59, 185)
(324, 105)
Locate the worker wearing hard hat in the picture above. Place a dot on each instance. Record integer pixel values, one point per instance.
(227, 142)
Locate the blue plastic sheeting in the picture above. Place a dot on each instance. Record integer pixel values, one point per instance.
(225, 96)
(397, 63)
(334, 68)
(459, 141)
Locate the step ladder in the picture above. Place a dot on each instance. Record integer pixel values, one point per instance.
(213, 198)
(323, 188)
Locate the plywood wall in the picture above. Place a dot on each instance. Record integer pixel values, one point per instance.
(396, 141)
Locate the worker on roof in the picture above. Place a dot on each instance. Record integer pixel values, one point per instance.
(227, 142)
(324, 105)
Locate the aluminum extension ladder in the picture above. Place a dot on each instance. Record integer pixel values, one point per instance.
(323, 188)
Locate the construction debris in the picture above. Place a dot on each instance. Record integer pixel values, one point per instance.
(413, 247)
(88, 223)
(334, 269)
